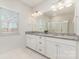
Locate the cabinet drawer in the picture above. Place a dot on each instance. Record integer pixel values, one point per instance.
(33, 36)
(41, 49)
(62, 41)
(41, 43)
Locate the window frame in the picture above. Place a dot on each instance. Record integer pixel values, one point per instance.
(11, 33)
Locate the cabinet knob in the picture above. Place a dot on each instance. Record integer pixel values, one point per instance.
(40, 37)
(40, 42)
(57, 45)
(40, 50)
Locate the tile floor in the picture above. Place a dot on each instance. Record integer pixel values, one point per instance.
(21, 54)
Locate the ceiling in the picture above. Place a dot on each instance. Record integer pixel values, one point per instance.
(64, 11)
(33, 3)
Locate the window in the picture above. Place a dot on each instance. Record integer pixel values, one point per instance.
(8, 21)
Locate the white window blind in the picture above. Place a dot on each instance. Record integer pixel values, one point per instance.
(8, 21)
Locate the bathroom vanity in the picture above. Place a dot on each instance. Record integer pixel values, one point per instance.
(54, 46)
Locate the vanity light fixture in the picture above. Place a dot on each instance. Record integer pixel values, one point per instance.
(37, 13)
(68, 1)
(60, 6)
(54, 8)
(68, 5)
(40, 13)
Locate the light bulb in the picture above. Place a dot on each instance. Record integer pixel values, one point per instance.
(60, 6)
(54, 9)
(33, 14)
(40, 13)
(53, 6)
(68, 1)
(68, 5)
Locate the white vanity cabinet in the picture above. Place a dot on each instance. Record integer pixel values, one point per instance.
(54, 48)
(60, 49)
(66, 51)
(41, 45)
(37, 43)
(51, 49)
(31, 41)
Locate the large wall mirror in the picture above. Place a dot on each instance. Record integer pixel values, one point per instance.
(60, 19)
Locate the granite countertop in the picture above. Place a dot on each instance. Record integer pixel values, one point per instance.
(73, 37)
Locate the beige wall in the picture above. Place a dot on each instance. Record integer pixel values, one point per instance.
(9, 42)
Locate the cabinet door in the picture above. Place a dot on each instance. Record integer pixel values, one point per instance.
(51, 50)
(66, 52)
(41, 45)
(28, 39)
(31, 41)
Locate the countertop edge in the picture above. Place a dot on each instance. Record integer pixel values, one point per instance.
(32, 33)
